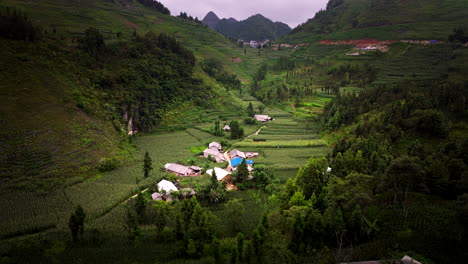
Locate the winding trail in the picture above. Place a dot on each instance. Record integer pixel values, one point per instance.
(256, 132)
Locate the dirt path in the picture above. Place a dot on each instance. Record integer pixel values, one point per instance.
(228, 159)
(134, 196)
(255, 133)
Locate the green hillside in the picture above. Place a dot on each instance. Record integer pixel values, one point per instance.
(384, 19)
(66, 104)
(396, 118)
(119, 19)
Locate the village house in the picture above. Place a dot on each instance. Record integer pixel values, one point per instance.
(183, 171)
(214, 153)
(254, 44)
(215, 145)
(221, 174)
(236, 161)
(263, 118)
(235, 153)
(167, 187)
(157, 196)
(227, 128)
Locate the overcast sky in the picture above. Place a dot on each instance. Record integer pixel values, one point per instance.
(291, 12)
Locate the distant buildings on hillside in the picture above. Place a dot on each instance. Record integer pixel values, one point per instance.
(255, 43)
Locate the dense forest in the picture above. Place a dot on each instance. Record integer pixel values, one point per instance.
(156, 5)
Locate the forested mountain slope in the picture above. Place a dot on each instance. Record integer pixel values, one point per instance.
(397, 122)
(77, 76)
(384, 19)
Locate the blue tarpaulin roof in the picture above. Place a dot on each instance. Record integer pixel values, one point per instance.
(237, 161)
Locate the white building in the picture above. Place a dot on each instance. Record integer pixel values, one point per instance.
(167, 186)
(254, 44)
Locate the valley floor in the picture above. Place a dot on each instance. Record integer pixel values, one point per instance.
(284, 144)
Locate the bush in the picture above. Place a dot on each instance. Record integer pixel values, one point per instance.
(250, 121)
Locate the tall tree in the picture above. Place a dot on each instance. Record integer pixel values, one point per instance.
(242, 173)
(76, 222)
(312, 178)
(132, 226)
(250, 110)
(147, 164)
(140, 207)
(236, 130)
(93, 41)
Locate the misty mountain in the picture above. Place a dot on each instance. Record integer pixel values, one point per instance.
(256, 27)
(211, 20)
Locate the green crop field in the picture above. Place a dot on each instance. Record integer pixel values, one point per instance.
(32, 212)
(285, 144)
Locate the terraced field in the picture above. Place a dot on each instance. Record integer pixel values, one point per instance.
(285, 144)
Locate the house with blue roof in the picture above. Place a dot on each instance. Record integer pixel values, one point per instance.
(237, 160)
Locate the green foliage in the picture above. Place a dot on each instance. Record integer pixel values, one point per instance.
(261, 73)
(236, 130)
(147, 165)
(132, 226)
(217, 130)
(196, 226)
(214, 68)
(161, 217)
(14, 24)
(458, 35)
(284, 64)
(250, 110)
(404, 174)
(240, 245)
(140, 207)
(242, 173)
(382, 19)
(93, 42)
(261, 177)
(312, 179)
(156, 5)
(235, 211)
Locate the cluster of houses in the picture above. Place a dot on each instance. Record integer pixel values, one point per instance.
(255, 44)
(214, 151)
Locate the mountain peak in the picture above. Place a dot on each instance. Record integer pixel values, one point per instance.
(259, 15)
(211, 20)
(256, 27)
(232, 20)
